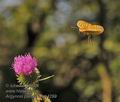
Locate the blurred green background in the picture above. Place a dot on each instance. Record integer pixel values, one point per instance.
(83, 72)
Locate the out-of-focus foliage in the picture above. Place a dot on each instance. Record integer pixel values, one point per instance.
(61, 49)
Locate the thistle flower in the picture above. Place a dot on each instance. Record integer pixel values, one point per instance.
(24, 64)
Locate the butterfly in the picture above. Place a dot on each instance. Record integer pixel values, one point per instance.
(89, 29)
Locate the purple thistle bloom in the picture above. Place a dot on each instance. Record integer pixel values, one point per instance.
(24, 64)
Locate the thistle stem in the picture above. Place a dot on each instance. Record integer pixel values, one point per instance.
(46, 78)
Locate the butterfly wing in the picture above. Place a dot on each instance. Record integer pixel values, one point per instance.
(83, 25)
(95, 29)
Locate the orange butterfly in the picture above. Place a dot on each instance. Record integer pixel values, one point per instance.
(89, 29)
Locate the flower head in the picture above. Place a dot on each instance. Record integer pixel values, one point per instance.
(24, 64)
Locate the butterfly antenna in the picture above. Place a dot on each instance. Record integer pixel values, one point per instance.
(74, 27)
